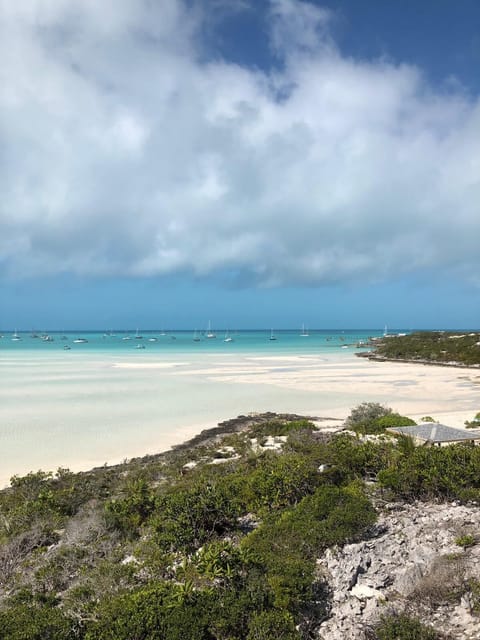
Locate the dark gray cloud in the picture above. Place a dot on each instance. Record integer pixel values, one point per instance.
(124, 152)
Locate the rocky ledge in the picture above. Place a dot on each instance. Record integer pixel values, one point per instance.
(412, 563)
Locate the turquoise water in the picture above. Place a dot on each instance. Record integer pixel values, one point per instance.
(158, 342)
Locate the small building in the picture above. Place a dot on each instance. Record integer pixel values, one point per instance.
(434, 433)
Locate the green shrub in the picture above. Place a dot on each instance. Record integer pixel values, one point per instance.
(365, 414)
(272, 624)
(403, 627)
(393, 420)
(475, 423)
(130, 511)
(353, 458)
(166, 611)
(186, 518)
(474, 592)
(435, 472)
(23, 622)
(159, 612)
(379, 425)
(280, 481)
(280, 428)
(289, 544)
(465, 541)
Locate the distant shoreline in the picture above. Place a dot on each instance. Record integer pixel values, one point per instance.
(376, 358)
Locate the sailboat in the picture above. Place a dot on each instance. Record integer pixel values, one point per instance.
(272, 335)
(16, 337)
(228, 337)
(196, 337)
(304, 333)
(210, 333)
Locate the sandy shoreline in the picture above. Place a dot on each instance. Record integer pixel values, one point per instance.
(86, 411)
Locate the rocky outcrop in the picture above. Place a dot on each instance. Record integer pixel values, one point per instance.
(412, 562)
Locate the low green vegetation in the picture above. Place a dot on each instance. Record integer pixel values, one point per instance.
(466, 540)
(432, 346)
(475, 423)
(224, 549)
(402, 627)
(442, 473)
(374, 418)
(474, 593)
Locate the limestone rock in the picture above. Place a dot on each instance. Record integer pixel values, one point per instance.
(388, 571)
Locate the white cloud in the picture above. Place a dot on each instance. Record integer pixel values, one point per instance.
(124, 152)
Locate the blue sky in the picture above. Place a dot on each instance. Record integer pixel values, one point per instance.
(250, 163)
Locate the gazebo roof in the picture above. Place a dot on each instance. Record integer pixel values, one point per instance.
(436, 432)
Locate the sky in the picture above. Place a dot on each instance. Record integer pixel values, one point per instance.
(245, 162)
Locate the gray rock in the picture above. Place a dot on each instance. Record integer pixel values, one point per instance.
(389, 567)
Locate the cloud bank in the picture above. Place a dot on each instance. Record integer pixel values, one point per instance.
(125, 150)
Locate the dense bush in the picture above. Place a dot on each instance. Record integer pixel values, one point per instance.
(280, 428)
(159, 612)
(128, 512)
(280, 481)
(433, 346)
(365, 414)
(289, 543)
(23, 622)
(374, 418)
(352, 458)
(186, 518)
(475, 423)
(169, 611)
(435, 472)
(267, 625)
(402, 627)
(385, 422)
(45, 500)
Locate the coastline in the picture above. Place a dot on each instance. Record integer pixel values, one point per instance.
(459, 365)
(94, 410)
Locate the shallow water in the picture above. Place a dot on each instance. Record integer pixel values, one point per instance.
(173, 342)
(104, 401)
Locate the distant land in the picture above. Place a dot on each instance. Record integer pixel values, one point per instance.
(430, 347)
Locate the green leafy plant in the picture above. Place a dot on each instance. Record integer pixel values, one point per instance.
(466, 540)
(365, 414)
(402, 627)
(475, 423)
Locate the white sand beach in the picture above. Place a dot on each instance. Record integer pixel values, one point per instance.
(85, 410)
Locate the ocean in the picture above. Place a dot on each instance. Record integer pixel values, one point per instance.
(170, 342)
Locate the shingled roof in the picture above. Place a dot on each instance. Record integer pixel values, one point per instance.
(436, 433)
